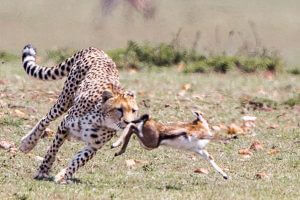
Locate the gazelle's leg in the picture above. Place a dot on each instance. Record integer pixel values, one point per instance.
(210, 159)
(125, 142)
(122, 137)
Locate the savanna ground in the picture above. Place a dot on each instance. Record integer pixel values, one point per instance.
(271, 172)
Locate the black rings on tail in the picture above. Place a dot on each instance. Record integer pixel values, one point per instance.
(44, 73)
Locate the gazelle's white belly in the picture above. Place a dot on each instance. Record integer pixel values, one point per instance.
(189, 143)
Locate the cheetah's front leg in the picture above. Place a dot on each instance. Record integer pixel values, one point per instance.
(80, 159)
(95, 139)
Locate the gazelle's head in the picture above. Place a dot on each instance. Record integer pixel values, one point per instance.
(200, 119)
(139, 123)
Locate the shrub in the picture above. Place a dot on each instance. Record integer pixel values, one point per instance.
(295, 71)
(258, 103)
(192, 56)
(118, 56)
(197, 67)
(253, 64)
(222, 63)
(164, 55)
(139, 56)
(293, 101)
(59, 55)
(8, 57)
(147, 55)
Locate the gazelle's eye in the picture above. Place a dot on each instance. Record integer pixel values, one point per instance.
(133, 110)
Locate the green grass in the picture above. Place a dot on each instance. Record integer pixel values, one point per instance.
(295, 71)
(139, 56)
(145, 56)
(293, 101)
(59, 55)
(166, 173)
(7, 57)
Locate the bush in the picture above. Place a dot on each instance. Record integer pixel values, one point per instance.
(118, 56)
(165, 55)
(59, 55)
(293, 101)
(138, 56)
(295, 71)
(8, 57)
(222, 63)
(160, 55)
(192, 56)
(258, 103)
(253, 64)
(146, 55)
(197, 67)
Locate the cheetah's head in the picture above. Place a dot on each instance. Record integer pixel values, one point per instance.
(119, 108)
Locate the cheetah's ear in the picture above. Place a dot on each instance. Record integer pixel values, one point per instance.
(106, 95)
(130, 93)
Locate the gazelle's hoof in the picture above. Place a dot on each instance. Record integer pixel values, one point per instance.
(118, 153)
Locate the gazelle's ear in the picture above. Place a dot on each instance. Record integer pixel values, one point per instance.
(145, 117)
(142, 119)
(198, 115)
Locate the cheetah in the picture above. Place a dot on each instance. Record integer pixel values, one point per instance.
(95, 104)
(191, 136)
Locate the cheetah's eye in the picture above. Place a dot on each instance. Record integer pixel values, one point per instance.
(120, 111)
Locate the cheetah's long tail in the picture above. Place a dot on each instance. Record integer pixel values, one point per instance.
(44, 73)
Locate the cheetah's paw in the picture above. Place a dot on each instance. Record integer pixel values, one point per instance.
(60, 178)
(42, 176)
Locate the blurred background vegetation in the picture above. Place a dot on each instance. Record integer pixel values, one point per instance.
(195, 36)
(229, 59)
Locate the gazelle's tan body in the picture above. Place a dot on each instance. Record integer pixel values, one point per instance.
(191, 136)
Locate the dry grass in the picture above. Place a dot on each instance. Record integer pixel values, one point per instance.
(163, 173)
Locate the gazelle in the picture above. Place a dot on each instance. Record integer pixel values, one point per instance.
(192, 136)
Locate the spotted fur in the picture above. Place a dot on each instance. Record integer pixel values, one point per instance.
(96, 105)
